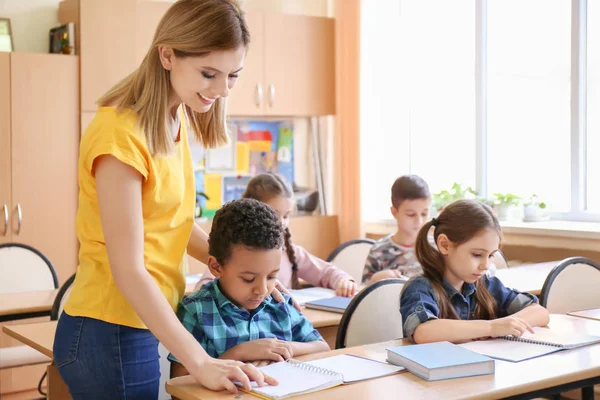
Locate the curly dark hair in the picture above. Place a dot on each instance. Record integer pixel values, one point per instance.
(248, 222)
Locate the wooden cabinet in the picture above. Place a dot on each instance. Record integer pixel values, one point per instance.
(39, 142)
(107, 42)
(290, 67)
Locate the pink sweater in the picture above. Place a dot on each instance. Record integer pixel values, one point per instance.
(311, 269)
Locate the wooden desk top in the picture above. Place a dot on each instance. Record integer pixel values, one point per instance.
(322, 319)
(509, 379)
(38, 335)
(593, 314)
(26, 302)
(526, 278)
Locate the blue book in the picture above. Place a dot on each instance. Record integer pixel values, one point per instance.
(334, 304)
(440, 360)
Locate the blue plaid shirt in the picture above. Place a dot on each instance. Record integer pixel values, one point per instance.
(418, 302)
(218, 324)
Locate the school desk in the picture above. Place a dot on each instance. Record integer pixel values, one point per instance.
(593, 314)
(526, 278)
(542, 376)
(14, 306)
(40, 336)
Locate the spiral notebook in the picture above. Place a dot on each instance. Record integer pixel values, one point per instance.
(296, 377)
(530, 345)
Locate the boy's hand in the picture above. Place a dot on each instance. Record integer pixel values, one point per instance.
(510, 325)
(265, 349)
(346, 288)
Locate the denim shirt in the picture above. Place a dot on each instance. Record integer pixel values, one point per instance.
(418, 302)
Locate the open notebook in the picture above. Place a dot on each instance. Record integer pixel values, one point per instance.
(303, 296)
(530, 345)
(296, 377)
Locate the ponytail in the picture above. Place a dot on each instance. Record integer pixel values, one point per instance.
(432, 263)
(289, 249)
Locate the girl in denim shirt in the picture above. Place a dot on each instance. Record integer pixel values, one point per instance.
(455, 300)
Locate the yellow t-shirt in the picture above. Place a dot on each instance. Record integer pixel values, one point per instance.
(168, 202)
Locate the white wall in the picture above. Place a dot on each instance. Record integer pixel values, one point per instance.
(31, 21)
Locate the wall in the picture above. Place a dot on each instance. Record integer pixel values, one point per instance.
(30, 20)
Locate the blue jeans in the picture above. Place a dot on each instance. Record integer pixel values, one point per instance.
(100, 360)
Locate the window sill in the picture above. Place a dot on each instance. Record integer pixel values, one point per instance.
(546, 234)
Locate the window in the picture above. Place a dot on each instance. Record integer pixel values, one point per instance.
(593, 107)
(528, 99)
(479, 92)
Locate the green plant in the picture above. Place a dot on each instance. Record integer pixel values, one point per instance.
(456, 192)
(534, 201)
(507, 199)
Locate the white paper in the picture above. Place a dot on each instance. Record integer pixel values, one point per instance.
(303, 296)
(355, 369)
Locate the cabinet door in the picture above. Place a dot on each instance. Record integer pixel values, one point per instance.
(45, 144)
(5, 162)
(149, 14)
(299, 65)
(107, 46)
(248, 95)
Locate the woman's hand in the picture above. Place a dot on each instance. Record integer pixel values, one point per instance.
(276, 293)
(346, 288)
(221, 374)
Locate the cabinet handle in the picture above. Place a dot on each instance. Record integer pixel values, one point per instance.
(259, 95)
(271, 95)
(19, 218)
(5, 219)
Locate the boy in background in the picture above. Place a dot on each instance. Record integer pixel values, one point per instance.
(393, 256)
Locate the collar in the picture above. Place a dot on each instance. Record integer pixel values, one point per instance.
(467, 289)
(223, 301)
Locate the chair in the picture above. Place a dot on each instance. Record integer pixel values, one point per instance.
(351, 257)
(61, 298)
(500, 260)
(572, 285)
(24, 269)
(372, 316)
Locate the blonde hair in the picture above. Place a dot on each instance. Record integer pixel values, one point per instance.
(192, 28)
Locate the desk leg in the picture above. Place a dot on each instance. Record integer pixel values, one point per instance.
(57, 389)
(329, 333)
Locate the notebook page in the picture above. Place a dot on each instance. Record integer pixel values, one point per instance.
(355, 369)
(508, 350)
(303, 296)
(294, 380)
(565, 339)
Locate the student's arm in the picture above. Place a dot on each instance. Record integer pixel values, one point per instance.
(318, 272)
(119, 188)
(198, 244)
(534, 314)
(518, 304)
(302, 348)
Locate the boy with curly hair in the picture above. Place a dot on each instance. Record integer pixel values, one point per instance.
(234, 317)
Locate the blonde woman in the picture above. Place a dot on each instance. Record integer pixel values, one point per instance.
(136, 205)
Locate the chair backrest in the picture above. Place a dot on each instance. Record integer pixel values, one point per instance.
(61, 298)
(351, 257)
(25, 269)
(500, 260)
(373, 315)
(572, 285)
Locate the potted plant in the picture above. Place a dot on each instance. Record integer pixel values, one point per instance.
(507, 206)
(456, 192)
(534, 210)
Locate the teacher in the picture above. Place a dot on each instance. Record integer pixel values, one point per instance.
(135, 221)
